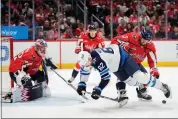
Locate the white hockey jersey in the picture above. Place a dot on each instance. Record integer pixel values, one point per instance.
(107, 60)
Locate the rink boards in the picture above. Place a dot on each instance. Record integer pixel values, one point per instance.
(62, 53)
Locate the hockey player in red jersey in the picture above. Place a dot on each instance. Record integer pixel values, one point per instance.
(25, 68)
(87, 42)
(139, 46)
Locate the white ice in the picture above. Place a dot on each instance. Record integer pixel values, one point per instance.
(65, 102)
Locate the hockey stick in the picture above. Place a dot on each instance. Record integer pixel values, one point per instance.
(104, 97)
(68, 83)
(121, 103)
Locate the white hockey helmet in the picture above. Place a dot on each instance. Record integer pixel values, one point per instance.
(84, 58)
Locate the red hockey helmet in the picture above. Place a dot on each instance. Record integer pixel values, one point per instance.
(41, 46)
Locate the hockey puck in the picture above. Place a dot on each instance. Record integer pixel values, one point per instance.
(164, 101)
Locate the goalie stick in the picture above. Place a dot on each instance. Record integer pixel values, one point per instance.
(68, 83)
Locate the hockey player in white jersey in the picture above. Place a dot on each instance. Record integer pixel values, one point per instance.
(114, 59)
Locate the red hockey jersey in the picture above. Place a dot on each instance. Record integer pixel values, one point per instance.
(27, 56)
(88, 44)
(138, 52)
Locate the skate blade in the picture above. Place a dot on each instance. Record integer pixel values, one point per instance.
(6, 100)
(145, 100)
(122, 103)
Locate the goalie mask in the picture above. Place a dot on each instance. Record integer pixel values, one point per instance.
(40, 46)
(84, 58)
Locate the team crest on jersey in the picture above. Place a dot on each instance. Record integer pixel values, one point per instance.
(33, 57)
(134, 36)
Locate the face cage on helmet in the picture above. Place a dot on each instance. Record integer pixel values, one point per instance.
(41, 49)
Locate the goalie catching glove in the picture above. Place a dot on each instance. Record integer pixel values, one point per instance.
(22, 78)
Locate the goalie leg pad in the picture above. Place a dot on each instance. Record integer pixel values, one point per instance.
(46, 90)
(27, 94)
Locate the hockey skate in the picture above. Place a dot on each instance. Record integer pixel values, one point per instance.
(7, 98)
(166, 90)
(122, 98)
(141, 93)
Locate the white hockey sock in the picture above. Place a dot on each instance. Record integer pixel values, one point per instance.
(145, 78)
(156, 83)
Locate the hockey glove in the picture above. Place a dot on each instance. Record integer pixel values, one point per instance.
(154, 72)
(96, 93)
(77, 50)
(26, 81)
(21, 78)
(49, 63)
(125, 46)
(81, 88)
(79, 46)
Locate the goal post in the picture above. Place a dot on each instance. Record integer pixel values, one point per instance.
(6, 58)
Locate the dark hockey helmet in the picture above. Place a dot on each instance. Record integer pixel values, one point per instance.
(92, 27)
(146, 34)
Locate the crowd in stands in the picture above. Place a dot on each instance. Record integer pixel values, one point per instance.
(128, 16)
(131, 15)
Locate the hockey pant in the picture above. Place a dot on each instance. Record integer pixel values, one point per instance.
(121, 85)
(84, 74)
(130, 73)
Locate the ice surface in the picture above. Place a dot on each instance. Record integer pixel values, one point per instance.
(65, 102)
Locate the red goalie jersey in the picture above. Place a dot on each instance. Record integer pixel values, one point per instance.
(28, 56)
(136, 50)
(87, 43)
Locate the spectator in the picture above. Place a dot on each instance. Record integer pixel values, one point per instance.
(79, 29)
(159, 11)
(161, 34)
(129, 27)
(39, 19)
(46, 26)
(53, 32)
(150, 11)
(174, 33)
(144, 19)
(122, 28)
(133, 17)
(27, 11)
(68, 33)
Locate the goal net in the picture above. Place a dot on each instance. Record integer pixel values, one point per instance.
(6, 57)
